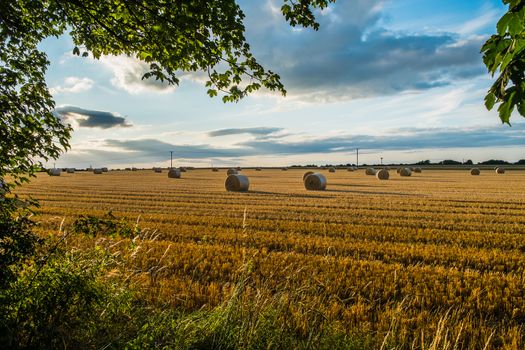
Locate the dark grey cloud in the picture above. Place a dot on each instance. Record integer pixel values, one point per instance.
(90, 118)
(257, 131)
(151, 150)
(353, 56)
(156, 148)
(404, 139)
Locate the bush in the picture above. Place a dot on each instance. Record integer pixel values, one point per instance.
(108, 225)
(68, 302)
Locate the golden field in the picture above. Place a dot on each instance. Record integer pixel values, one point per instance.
(439, 255)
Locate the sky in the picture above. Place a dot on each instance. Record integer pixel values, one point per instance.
(401, 80)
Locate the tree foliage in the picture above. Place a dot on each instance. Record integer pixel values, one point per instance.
(504, 53)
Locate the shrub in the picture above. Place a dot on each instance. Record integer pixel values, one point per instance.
(108, 225)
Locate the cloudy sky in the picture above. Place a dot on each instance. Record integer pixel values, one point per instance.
(399, 79)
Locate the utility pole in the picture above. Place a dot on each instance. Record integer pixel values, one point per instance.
(171, 162)
(357, 154)
(381, 160)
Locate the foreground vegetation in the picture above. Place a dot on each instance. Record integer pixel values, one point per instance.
(432, 261)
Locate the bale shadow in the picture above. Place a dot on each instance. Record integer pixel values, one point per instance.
(381, 193)
(351, 185)
(290, 194)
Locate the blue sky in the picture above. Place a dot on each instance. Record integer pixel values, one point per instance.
(400, 79)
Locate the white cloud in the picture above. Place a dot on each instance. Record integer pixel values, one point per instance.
(128, 73)
(73, 85)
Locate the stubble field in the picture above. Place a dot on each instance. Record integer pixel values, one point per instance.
(435, 258)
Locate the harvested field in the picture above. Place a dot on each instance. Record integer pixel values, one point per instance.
(437, 246)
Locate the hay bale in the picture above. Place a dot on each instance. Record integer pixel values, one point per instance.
(214, 170)
(158, 170)
(315, 182)
(350, 168)
(398, 170)
(370, 171)
(128, 169)
(182, 169)
(284, 169)
(237, 183)
(500, 170)
(134, 169)
(98, 171)
(331, 169)
(54, 172)
(231, 171)
(306, 174)
(174, 173)
(105, 170)
(70, 170)
(405, 172)
(417, 170)
(475, 171)
(382, 174)
(258, 169)
(238, 168)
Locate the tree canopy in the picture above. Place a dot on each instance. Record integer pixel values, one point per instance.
(504, 53)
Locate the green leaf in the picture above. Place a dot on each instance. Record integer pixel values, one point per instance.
(490, 100)
(515, 25)
(521, 109)
(503, 24)
(506, 108)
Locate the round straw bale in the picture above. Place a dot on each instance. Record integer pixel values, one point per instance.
(182, 169)
(370, 171)
(315, 182)
(214, 170)
(331, 169)
(500, 170)
(174, 173)
(158, 170)
(258, 169)
(306, 174)
(128, 169)
(237, 183)
(105, 170)
(284, 169)
(405, 172)
(474, 171)
(417, 170)
(97, 171)
(382, 174)
(231, 171)
(134, 169)
(54, 172)
(70, 170)
(398, 170)
(350, 168)
(238, 168)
